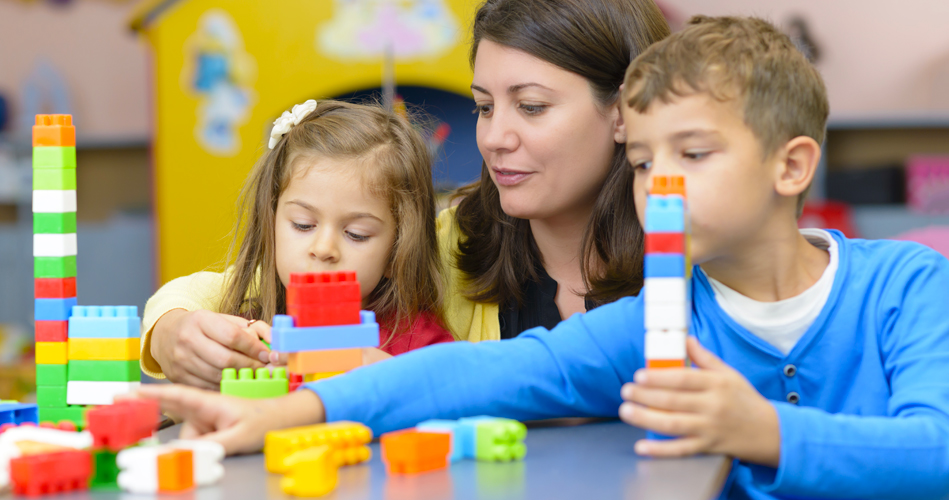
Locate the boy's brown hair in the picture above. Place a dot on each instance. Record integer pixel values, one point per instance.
(736, 58)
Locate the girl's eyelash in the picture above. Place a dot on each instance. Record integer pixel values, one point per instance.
(302, 227)
(644, 165)
(357, 237)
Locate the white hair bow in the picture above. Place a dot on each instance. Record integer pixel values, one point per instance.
(288, 119)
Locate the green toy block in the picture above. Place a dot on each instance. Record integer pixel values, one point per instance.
(50, 157)
(104, 371)
(62, 179)
(105, 472)
(54, 267)
(500, 440)
(51, 396)
(51, 375)
(74, 414)
(247, 386)
(54, 223)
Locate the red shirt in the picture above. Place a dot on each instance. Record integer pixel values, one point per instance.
(425, 331)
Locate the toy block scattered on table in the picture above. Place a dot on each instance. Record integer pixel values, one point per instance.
(288, 338)
(105, 471)
(324, 361)
(18, 413)
(350, 438)
(450, 427)
(206, 455)
(492, 439)
(60, 472)
(164, 468)
(411, 451)
(122, 424)
(247, 384)
(175, 470)
(310, 473)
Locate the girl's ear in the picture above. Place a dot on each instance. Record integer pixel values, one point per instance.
(619, 126)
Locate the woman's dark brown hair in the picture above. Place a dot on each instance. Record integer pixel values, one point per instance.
(596, 39)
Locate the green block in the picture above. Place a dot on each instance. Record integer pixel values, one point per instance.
(63, 179)
(63, 157)
(500, 440)
(105, 472)
(74, 414)
(51, 396)
(104, 371)
(54, 267)
(54, 223)
(247, 386)
(51, 375)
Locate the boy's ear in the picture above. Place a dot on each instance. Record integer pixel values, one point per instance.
(619, 129)
(801, 156)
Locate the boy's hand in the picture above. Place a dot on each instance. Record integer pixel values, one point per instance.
(238, 424)
(193, 347)
(714, 410)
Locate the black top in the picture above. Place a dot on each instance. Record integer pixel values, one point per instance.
(539, 308)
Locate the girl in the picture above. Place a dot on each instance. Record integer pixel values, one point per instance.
(343, 187)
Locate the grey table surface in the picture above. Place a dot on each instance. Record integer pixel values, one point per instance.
(564, 460)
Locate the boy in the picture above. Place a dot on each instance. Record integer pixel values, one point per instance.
(825, 366)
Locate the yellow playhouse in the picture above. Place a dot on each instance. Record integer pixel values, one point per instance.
(224, 70)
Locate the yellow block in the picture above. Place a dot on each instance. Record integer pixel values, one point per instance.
(310, 473)
(51, 353)
(313, 377)
(103, 349)
(348, 440)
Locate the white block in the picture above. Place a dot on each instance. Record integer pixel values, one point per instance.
(8, 451)
(77, 440)
(96, 393)
(139, 468)
(666, 290)
(667, 316)
(665, 344)
(207, 456)
(45, 201)
(54, 245)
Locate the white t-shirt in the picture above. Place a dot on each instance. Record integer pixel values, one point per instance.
(784, 322)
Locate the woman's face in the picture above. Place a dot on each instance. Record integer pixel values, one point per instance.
(547, 143)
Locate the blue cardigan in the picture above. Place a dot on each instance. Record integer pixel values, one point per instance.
(871, 374)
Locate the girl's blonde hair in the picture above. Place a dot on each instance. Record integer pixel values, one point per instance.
(397, 165)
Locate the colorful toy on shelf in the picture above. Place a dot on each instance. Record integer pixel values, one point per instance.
(247, 384)
(412, 451)
(348, 439)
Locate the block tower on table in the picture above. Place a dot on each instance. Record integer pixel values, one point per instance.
(75, 346)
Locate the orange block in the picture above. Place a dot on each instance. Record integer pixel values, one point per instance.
(324, 361)
(665, 363)
(413, 452)
(175, 471)
(674, 184)
(54, 130)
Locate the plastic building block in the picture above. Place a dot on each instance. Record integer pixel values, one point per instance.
(54, 179)
(667, 316)
(54, 130)
(259, 385)
(665, 243)
(665, 348)
(313, 377)
(123, 424)
(54, 157)
(664, 185)
(18, 413)
(105, 472)
(51, 353)
(287, 338)
(54, 288)
(310, 473)
(207, 457)
(449, 427)
(55, 437)
(296, 380)
(665, 214)
(64, 471)
(51, 375)
(104, 371)
(54, 267)
(81, 392)
(664, 266)
(350, 438)
(53, 309)
(51, 331)
(139, 469)
(74, 414)
(412, 452)
(500, 439)
(337, 313)
(54, 223)
(666, 291)
(51, 395)
(54, 200)
(316, 288)
(54, 245)
(104, 322)
(122, 349)
(175, 471)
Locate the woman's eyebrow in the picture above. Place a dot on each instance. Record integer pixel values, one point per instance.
(513, 89)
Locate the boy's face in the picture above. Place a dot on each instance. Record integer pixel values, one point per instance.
(730, 187)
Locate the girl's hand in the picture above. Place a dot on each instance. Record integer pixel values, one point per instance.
(238, 424)
(714, 410)
(192, 347)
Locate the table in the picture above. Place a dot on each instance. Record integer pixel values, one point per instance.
(564, 460)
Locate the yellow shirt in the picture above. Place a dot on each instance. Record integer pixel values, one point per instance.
(467, 320)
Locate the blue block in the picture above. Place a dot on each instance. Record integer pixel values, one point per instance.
(665, 266)
(450, 427)
(288, 338)
(467, 435)
(104, 322)
(665, 214)
(17, 413)
(53, 309)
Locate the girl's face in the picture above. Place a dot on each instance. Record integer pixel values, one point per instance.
(547, 143)
(327, 220)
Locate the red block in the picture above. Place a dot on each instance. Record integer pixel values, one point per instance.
(52, 331)
(62, 471)
(122, 424)
(340, 313)
(413, 452)
(320, 293)
(665, 243)
(296, 380)
(311, 278)
(54, 288)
